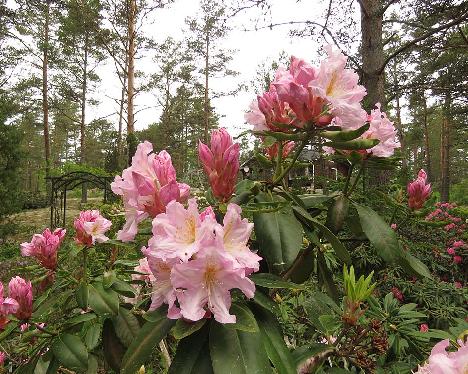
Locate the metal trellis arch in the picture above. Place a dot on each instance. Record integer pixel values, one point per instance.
(63, 183)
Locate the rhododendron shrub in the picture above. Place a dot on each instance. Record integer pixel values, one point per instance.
(206, 272)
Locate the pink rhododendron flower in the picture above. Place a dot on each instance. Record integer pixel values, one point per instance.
(442, 362)
(235, 233)
(2, 358)
(382, 129)
(397, 294)
(393, 226)
(44, 247)
(272, 151)
(451, 251)
(458, 243)
(221, 163)
(90, 227)
(458, 284)
(147, 186)
(8, 306)
(255, 117)
(418, 191)
(457, 259)
(21, 290)
(206, 281)
(424, 327)
(179, 233)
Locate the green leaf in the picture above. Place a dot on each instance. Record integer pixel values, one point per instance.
(301, 354)
(112, 347)
(109, 278)
(353, 144)
(93, 334)
(337, 214)
(245, 320)
(93, 365)
(325, 277)
(279, 235)
(265, 302)
(237, 352)
(193, 354)
(413, 265)
(156, 315)
(70, 351)
(140, 350)
(345, 135)
(340, 250)
(123, 288)
(318, 304)
(272, 338)
(273, 281)
(126, 326)
(82, 295)
(314, 200)
(80, 319)
(102, 301)
(183, 328)
(268, 141)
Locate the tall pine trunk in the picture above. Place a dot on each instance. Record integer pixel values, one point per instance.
(207, 99)
(445, 151)
(84, 84)
(131, 142)
(45, 102)
(426, 141)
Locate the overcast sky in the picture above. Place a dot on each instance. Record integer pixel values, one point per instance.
(252, 49)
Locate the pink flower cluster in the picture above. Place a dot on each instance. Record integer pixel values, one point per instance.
(221, 163)
(147, 186)
(442, 362)
(306, 96)
(418, 191)
(272, 151)
(19, 302)
(196, 261)
(44, 247)
(90, 227)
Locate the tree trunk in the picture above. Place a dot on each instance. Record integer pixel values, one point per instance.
(45, 102)
(372, 52)
(445, 152)
(207, 103)
(131, 143)
(426, 142)
(84, 83)
(121, 109)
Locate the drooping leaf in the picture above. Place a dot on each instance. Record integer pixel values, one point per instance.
(123, 288)
(245, 320)
(126, 326)
(70, 351)
(337, 214)
(237, 352)
(183, 328)
(93, 334)
(325, 277)
(345, 135)
(193, 354)
(301, 354)
(279, 235)
(140, 350)
(272, 338)
(273, 281)
(355, 144)
(112, 346)
(265, 302)
(102, 301)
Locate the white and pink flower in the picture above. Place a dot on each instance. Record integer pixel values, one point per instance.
(442, 362)
(90, 227)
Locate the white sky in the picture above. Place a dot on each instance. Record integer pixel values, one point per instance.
(253, 48)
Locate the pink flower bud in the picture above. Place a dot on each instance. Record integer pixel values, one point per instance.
(21, 291)
(418, 191)
(457, 259)
(2, 358)
(424, 327)
(458, 284)
(393, 226)
(397, 293)
(44, 247)
(272, 151)
(221, 163)
(451, 251)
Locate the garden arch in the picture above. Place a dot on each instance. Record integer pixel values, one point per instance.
(63, 183)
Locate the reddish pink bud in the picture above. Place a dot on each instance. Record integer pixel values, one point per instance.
(21, 291)
(221, 163)
(393, 226)
(397, 293)
(2, 358)
(451, 251)
(418, 191)
(457, 259)
(44, 247)
(424, 327)
(458, 284)
(272, 151)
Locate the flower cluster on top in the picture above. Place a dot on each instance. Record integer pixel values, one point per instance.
(197, 261)
(305, 97)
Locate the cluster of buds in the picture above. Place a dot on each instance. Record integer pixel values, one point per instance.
(418, 191)
(44, 247)
(19, 302)
(195, 261)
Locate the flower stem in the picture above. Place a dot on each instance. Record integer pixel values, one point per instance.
(358, 176)
(348, 178)
(293, 161)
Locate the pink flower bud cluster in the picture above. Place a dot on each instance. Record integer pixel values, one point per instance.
(306, 96)
(196, 261)
(221, 163)
(442, 362)
(418, 191)
(44, 247)
(147, 186)
(90, 228)
(272, 151)
(397, 294)
(2, 358)
(19, 302)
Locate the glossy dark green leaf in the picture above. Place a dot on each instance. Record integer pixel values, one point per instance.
(92, 336)
(344, 135)
(273, 281)
(272, 338)
(303, 353)
(314, 200)
(183, 328)
(112, 347)
(80, 319)
(193, 354)
(126, 326)
(70, 351)
(325, 277)
(337, 214)
(279, 235)
(245, 320)
(102, 301)
(266, 302)
(123, 288)
(93, 365)
(144, 343)
(353, 144)
(237, 352)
